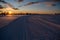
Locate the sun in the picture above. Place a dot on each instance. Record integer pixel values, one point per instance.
(10, 12)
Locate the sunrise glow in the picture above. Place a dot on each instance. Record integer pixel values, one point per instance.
(10, 12)
(44, 7)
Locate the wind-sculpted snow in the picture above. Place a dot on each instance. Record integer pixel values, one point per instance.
(31, 27)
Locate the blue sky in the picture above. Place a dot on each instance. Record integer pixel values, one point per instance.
(42, 7)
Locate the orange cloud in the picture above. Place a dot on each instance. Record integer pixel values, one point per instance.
(49, 4)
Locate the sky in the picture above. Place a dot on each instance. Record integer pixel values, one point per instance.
(35, 6)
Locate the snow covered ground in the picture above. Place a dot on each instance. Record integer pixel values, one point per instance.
(32, 27)
(5, 20)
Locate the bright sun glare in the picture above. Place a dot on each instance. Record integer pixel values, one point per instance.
(10, 12)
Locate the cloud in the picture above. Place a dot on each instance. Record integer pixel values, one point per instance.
(11, 6)
(56, 0)
(30, 3)
(1, 7)
(15, 8)
(50, 4)
(46, 2)
(7, 4)
(49, 0)
(3, 1)
(19, 0)
(53, 4)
